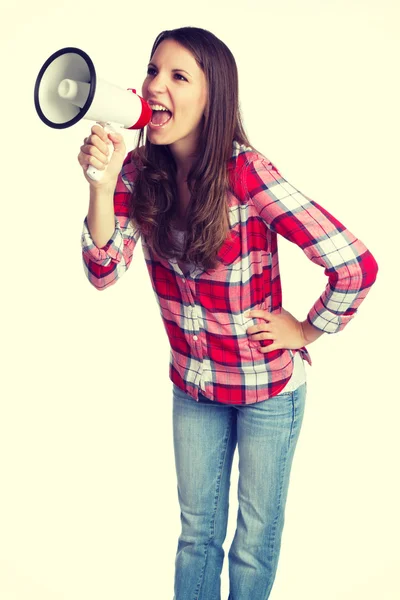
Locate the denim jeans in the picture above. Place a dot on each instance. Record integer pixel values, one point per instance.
(205, 437)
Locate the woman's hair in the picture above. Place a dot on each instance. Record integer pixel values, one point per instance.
(154, 201)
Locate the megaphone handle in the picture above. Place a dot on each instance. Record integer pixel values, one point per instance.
(95, 174)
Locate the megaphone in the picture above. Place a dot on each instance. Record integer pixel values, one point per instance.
(68, 90)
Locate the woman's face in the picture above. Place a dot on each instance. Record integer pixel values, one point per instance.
(175, 81)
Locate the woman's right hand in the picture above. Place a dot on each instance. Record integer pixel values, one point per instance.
(94, 152)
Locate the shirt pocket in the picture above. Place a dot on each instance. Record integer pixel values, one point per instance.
(231, 250)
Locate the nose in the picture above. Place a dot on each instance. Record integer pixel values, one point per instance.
(157, 84)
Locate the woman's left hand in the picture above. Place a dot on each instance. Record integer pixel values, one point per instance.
(283, 329)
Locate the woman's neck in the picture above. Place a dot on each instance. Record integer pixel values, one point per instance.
(184, 153)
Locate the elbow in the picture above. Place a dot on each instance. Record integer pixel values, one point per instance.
(98, 283)
(101, 283)
(100, 286)
(362, 281)
(100, 276)
(370, 269)
(362, 274)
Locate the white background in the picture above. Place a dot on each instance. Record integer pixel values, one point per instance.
(88, 502)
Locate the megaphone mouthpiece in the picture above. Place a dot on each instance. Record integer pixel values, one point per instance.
(76, 92)
(67, 89)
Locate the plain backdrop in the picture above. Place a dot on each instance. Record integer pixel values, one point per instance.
(88, 501)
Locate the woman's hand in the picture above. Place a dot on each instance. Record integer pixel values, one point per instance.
(283, 329)
(95, 152)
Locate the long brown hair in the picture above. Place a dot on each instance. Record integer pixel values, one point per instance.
(154, 201)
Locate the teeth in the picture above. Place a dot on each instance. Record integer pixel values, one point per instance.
(159, 107)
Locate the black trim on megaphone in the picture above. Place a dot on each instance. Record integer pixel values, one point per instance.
(90, 97)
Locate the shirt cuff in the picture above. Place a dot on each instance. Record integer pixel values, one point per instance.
(112, 251)
(328, 321)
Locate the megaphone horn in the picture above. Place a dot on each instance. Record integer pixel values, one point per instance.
(68, 90)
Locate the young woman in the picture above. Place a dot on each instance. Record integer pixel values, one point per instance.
(208, 208)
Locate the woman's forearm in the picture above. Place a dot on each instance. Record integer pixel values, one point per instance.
(310, 333)
(101, 217)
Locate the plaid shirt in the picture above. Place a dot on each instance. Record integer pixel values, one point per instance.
(203, 313)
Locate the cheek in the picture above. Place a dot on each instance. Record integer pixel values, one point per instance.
(201, 104)
(194, 110)
(191, 118)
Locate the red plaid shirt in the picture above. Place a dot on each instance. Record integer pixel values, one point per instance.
(203, 313)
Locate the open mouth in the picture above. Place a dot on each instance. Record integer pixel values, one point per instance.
(160, 117)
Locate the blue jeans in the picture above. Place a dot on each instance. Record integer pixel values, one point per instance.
(205, 438)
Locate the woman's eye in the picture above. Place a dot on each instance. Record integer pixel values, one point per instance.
(153, 71)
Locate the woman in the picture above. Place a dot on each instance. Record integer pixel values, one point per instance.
(208, 209)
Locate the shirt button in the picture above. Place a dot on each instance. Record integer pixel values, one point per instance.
(195, 337)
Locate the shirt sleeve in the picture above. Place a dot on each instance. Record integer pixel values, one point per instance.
(350, 267)
(104, 266)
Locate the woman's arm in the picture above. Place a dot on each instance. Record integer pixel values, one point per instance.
(310, 333)
(101, 216)
(109, 236)
(349, 265)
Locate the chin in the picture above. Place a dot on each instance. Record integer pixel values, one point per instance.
(159, 140)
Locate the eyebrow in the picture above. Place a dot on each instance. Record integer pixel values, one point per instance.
(173, 70)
